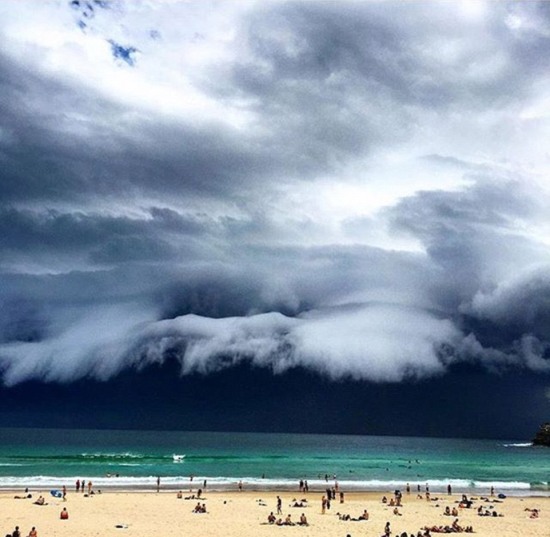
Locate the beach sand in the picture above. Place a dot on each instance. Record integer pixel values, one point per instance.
(239, 514)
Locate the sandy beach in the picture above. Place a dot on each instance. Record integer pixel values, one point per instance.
(244, 514)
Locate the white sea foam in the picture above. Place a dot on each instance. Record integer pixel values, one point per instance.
(126, 455)
(520, 444)
(42, 482)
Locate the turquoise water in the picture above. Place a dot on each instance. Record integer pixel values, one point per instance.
(132, 459)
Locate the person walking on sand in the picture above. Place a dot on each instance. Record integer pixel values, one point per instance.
(279, 505)
(64, 493)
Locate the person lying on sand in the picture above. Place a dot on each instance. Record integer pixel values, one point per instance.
(454, 528)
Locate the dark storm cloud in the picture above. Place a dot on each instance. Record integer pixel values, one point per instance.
(160, 235)
(497, 278)
(62, 146)
(131, 234)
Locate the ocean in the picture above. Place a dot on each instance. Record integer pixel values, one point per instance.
(51, 458)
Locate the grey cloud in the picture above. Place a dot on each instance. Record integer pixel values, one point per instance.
(67, 150)
(496, 279)
(387, 54)
(129, 237)
(53, 236)
(521, 303)
(473, 233)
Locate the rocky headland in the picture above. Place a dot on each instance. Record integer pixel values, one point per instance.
(542, 438)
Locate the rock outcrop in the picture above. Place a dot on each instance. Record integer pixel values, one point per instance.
(542, 438)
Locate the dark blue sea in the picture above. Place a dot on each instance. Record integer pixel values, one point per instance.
(46, 458)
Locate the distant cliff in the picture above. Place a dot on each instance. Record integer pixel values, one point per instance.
(542, 438)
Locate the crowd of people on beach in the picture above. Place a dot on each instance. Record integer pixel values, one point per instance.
(482, 506)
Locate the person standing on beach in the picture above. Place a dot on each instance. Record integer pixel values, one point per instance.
(33, 532)
(158, 483)
(83, 485)
(279, 505)
(77, 486)
(64, 493)
(16, 532)
(89, 487)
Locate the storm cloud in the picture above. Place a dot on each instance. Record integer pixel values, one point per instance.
(358, 189)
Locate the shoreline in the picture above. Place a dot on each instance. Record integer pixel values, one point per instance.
(231, 489)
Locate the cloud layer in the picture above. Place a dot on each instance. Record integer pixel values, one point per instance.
(355, 188)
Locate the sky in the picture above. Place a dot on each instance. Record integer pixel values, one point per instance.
(250, 207)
